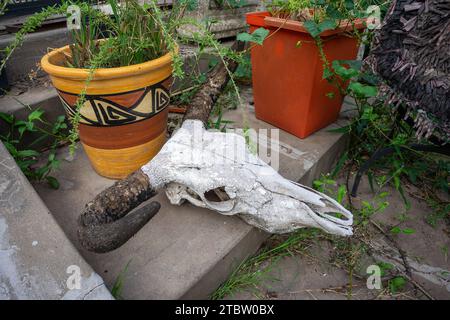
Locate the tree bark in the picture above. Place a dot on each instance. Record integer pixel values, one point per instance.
(104, 224)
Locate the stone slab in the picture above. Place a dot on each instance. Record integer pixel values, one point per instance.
(36, 257)
(30, 53)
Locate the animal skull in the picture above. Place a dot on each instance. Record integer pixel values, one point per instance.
(215, 170)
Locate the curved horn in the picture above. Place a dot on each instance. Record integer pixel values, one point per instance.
(105, 224)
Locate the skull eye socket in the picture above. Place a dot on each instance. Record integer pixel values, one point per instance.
(217, 195)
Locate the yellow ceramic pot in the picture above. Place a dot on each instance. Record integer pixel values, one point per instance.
(124, 118)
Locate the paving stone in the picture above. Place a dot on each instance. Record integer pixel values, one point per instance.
(35, 254)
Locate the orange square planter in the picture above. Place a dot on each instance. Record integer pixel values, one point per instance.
(288, 88)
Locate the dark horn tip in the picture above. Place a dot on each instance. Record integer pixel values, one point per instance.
(102, 238)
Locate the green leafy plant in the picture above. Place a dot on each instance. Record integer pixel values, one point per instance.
(376, 126)
(132, 34)
(3, 4)
(117, 288)
(244, 70)
(318, 17)
(441, 211)
(385, 267)
(27, 155)
(249, 274)
(397, 284)
(324, 184)
(256, 36)
(398, 230)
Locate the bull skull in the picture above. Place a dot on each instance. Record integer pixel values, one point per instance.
(215, 170)
(211, 170)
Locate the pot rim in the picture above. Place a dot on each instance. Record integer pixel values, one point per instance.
(298, 26)
(101, 73)
(294, 25)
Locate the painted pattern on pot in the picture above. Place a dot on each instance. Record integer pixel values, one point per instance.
(120, 108)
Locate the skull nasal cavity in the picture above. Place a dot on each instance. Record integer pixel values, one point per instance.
(217, 195)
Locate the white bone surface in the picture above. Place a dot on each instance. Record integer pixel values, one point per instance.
(195, 161)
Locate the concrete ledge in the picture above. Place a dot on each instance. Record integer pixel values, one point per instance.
(21, 105)
(184, 252)
(35, 254)
(30, 53)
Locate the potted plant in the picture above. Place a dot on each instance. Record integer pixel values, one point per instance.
(122, 117)
(294, 85)
(114, 78)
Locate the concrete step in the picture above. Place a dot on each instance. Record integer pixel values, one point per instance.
(27, 57)
(36, 258)
(184, 252)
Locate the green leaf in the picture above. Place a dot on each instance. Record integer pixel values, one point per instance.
(8, 118)
(397, 182)
(35, 115)
(332, 12)
(257, 36)
(383, 195)
(354, 64)
(42, 171)
(315, 29)
(11, 148)
(396, 230)
(53, 182)
(363, 90)
(385, 266)
(51, 157)
(408, 231)
(25, 164)
(22, 130)
(317, 184)
(312, 27)
(327, 73)
(349, 4)
(396, 284)
(342, 191)
(339, 165)
(55, 164)
(118, 284)
(327, 24)
(27, 153)
(114, 8)
(342, 71)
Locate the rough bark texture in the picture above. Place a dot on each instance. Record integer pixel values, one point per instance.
(103, 238)
(202, 103)
(412, 54)
(104, 224)
(107, 221)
